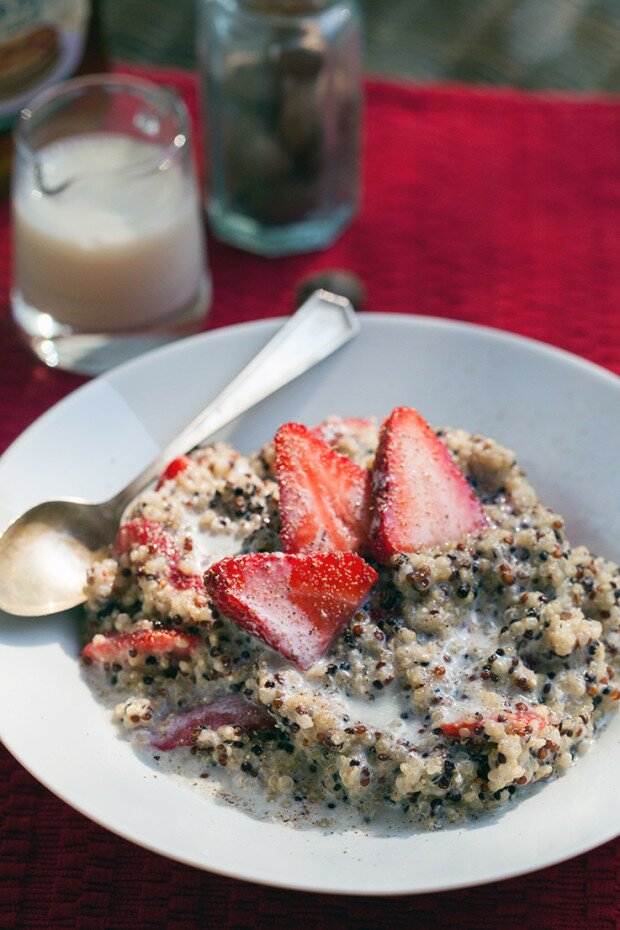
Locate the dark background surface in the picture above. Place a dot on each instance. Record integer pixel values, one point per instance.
(555, 44)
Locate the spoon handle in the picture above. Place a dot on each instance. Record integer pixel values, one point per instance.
(320, 326)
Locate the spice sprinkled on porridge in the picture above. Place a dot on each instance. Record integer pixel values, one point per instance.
(378, 617)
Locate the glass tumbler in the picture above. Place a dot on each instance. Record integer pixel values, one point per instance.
(108, 243)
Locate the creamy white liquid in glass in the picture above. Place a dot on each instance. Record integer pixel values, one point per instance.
(118, 247)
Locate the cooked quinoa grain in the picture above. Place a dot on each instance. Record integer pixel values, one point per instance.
(473, 670)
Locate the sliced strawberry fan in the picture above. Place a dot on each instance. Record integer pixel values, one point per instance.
(141, 532)
(324, 496)
(297, 604)
(118, 647)
(182, 729)
(420, 497)
(149, 533)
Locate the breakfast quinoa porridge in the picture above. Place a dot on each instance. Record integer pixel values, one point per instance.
(357, 615)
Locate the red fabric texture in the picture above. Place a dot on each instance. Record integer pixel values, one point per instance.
(494, 207)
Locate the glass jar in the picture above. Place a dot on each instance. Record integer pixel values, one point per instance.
(281, 101)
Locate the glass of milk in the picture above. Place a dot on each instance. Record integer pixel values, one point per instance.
(108, 242)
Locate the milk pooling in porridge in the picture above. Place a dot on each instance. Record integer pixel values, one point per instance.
(107, 233)
(373, 618)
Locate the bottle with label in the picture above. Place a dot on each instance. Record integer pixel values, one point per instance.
(42, 42)
(281, 94)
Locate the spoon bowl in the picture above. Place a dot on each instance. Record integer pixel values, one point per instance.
(46, 553)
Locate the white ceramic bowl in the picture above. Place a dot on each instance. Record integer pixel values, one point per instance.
(561, 415)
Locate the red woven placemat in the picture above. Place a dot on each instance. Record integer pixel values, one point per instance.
(489, 206)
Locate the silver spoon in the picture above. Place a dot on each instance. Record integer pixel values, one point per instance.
(45, 553)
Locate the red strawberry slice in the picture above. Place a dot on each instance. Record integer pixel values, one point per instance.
(453, 729)
(519, 718)
(324, 497)
(116, 647)
(141, 532)
(227, 710)
(297, 604)
(333, 430)
(174, 468)
(420, 496)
